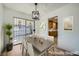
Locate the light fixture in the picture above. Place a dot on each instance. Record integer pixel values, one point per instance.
(35, 13)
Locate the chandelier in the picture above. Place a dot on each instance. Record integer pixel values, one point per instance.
(35, 13)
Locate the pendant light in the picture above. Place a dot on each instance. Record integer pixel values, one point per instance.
(35, 13)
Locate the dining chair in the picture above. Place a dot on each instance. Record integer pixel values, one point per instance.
(51, 38)
(24, 44)
(30, 51)
(51, 49)
(24, 47)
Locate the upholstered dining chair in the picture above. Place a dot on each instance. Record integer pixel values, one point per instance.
(24, 46)
(30, 51)
(33, 52)
(51, 49)
(51, 38)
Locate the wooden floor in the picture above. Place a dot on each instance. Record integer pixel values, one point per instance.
(17, 51)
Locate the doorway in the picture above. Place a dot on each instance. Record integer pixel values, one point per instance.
(53, 27)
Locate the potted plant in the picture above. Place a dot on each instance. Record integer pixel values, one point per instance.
(8, 33)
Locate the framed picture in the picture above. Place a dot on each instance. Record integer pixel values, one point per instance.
(68, 23)
(43, 26)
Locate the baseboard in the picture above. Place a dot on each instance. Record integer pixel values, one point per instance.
(17, 44)
(63, 49)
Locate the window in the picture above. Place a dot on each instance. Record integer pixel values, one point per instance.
(22, 28)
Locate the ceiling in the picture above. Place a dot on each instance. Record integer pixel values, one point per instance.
(44, 8)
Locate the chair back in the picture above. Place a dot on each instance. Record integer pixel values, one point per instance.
(51, 38)
(30, 49)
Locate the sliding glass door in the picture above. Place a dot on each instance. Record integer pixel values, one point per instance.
(22, 28)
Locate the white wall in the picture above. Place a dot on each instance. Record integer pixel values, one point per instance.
(10, 13)
(1, 22)
(66, 39)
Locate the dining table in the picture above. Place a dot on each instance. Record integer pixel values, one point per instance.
(41, 44)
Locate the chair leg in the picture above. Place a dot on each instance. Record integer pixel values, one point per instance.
(22, 50)
(26, 53)
(20, 46)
